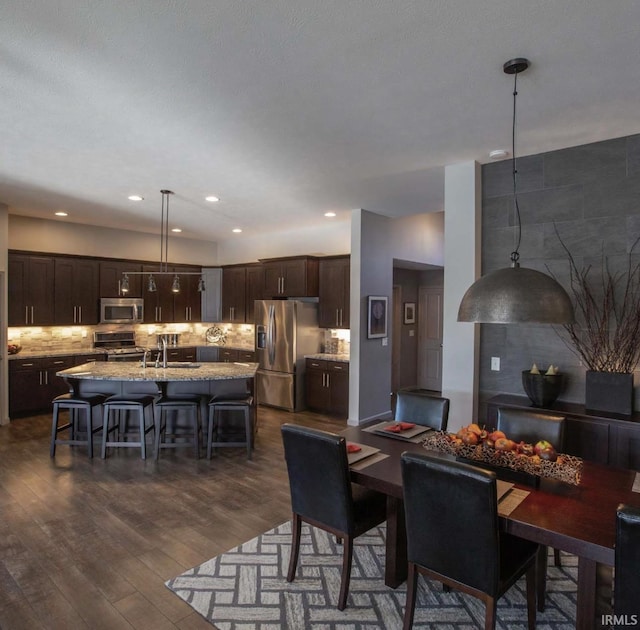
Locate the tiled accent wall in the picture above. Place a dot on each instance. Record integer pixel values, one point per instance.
(591, 194)
(337, 341)
(80, 338)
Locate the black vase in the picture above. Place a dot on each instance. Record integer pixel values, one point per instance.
(611, 392)
(542, 389)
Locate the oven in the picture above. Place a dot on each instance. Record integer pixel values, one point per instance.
(133, 354)
(119, 346)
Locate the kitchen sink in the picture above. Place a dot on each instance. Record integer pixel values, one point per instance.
(183, 364)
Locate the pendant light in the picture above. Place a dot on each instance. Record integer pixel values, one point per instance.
(515, 295)
(164, 257)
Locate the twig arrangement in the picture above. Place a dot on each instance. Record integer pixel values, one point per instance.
(606, 333)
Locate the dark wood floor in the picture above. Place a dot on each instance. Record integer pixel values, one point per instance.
(89, 543)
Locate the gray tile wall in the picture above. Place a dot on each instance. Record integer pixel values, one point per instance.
(591, 196)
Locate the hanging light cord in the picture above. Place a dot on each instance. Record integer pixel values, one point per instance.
(515, 254)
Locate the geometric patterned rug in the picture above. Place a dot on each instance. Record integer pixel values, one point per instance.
(245, 589)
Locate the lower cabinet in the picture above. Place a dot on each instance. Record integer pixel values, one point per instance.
(181, 354)
(327, 387)
(33, 383)
(231, 355)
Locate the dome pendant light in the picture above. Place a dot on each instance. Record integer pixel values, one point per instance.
(516, 295)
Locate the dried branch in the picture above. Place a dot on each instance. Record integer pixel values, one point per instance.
(606, 333)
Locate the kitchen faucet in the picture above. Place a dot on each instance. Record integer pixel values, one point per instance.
(164, 352)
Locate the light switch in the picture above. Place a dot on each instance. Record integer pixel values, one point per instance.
(495, 364)
(385, 341)
(412, 333)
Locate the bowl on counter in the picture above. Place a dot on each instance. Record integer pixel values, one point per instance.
(14, 348)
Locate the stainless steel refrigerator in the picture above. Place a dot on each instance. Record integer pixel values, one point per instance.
(286, 331)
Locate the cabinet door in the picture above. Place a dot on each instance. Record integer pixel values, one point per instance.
(41, 283)
(334, 293)
(111, 274)
(26, 391)
(272, 280)
(316, 392)
(158, 304)
(254, 290)
(625, 451)
(18, 289)
(588, 439)
(227, 355)
(186, 304)
(339, 392)
(187, 354)
(76, 291)
(233, 294)
(294, 274)
(246, 356)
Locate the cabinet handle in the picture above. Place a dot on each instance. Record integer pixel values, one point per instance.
(337, 317)
(32, 314)
(341, 318)
(46, 378)
(328, 380)
(26, 314)
(40, 376)
(79, 314)
(160, 311)
(58, 362)
(74, 314)
(26, 364)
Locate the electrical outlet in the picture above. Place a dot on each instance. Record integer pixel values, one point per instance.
(385, 341)
(412, 333)
(495, 364)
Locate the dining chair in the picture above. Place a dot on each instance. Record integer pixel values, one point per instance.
(323, 496)
(626, 577)
(522, 425)
(421, 408)
(451, 515)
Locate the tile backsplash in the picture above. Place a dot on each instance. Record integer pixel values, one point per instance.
(80, 338)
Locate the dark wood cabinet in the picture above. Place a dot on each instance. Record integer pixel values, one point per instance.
(231, 355)
(254, 289)
(290, 277)
(592, 435)
(75, 291)
(185, 353)
(187, 305)
(111, 275)
(334, 284)
(30, 290)
(158, 304)
(327, 387)
(234, 300)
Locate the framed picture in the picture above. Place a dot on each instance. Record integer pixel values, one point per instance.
(409, 312)
(376, 317)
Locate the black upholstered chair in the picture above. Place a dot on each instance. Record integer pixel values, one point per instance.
(422, 408)
(626, 585)
(323, 496)
(451, 512)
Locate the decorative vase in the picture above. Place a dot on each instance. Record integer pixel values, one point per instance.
(542, 389)
(611, 392)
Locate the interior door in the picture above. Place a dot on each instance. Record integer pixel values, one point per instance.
(430, 338)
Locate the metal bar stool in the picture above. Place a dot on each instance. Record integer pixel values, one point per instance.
(75, 404)
(142, 406)
(232, 405)
(174, 405)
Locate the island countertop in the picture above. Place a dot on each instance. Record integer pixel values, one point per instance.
(132, 371)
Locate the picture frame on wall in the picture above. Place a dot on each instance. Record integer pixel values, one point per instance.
(409, 312)
(377, 316)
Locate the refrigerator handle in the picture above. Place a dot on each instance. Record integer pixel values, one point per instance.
(271, 334)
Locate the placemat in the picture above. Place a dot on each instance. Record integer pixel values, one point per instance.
(365, 451)
(406, 436)
(511, 501)
(372, 459)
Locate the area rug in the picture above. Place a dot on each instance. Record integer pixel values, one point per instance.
(245, 589)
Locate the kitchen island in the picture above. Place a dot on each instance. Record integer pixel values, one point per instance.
(124, 378)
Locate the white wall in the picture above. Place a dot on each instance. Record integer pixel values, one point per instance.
(59, 237)
(419, 238)
(332, 238)
(462, 224)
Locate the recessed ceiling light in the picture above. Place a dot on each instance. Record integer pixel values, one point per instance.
(329, 214)
(236, 230)
(212, 198)
(176, 229)
(498, 154)
(62, 214)
(135, 198)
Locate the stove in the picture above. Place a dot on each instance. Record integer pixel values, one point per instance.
(119, 346)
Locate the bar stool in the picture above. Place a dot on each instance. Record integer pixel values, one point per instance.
(75, 404)
(232, 405)
(168, 405)
(142, 406)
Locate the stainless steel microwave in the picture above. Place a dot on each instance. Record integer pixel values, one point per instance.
(121, 310)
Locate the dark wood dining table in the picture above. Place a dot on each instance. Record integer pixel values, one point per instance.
(579, 519)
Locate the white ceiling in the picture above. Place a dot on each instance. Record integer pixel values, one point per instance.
(286, 109)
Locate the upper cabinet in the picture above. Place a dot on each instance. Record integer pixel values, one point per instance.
(334, 292)
(30, 290)
(254, 289)
(187, 305)
(234, 300)
(291, 277)
(75, 291)
(211, 297)
(111, 275)
(165, 306)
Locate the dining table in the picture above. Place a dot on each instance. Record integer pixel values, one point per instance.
(576, 518)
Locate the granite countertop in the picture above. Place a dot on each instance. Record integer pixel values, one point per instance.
(45, 354)
(132, 371)
(326, 356)
(230, 346)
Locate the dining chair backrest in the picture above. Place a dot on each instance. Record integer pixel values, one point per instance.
(531, 426)
(451, 512)
(422, 408)
(319, 476)
(626, 585)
